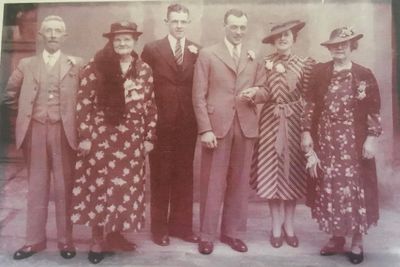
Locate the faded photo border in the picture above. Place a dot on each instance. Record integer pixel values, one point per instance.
(379, 51)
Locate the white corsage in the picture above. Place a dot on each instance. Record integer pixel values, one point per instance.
(129, 84)
(251, 54)
(280, 68)
(269, 64)
(72, 60)
(361, 90)
(132, 91)
(193, 49)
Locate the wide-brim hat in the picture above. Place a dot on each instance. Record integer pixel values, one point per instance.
(341, 35)
(122, 27)
(294, 25)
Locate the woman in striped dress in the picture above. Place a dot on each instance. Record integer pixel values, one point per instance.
(278, 172)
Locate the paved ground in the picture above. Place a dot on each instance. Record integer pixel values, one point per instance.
(382, 245)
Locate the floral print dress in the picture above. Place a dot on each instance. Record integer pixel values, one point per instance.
(340, 201)
(109, 186)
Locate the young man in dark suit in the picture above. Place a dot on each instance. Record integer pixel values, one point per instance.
(172, 60)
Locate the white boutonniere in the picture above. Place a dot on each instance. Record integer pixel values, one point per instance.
(193, 49)
(251, 54)
(72, 60)
(362, 86)
(269, 64)
(280, 68)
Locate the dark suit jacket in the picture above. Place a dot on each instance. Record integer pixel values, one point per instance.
(172, 84)
(320, 79)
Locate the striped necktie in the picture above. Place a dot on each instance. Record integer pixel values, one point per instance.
(178, 53)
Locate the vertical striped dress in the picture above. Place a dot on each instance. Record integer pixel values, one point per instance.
(278, 166)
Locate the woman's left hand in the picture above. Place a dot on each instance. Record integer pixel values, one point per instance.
(148, 146)
(369, 147)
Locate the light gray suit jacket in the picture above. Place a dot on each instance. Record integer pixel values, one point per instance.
(216, 85)
(22, 89)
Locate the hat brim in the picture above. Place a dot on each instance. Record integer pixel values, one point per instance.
(342, 40)
(112, 34)
(269, 39)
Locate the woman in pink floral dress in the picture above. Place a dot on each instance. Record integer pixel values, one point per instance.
(116, 116)
(340, 123)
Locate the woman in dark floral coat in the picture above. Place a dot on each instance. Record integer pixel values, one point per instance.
(340, 125)
(116, 117)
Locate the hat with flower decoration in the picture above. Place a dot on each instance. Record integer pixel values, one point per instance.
(341, 35)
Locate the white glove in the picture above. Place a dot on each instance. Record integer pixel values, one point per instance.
(313, 163)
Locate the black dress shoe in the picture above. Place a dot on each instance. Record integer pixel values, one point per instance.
(117, 242)
(334, 246)
(67, 251)
(356, 258)
(234, 243)
(205, 247)
(28, 250)
(162, 240)
(96, 257)
(192, 238)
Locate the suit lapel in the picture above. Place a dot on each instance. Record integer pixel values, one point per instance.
(244, 59)
(186, 55)
(221, 51)
(165, 50)
(35, 67)
(325, 77)
(65, 66)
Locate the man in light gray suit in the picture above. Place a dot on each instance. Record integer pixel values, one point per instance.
(42, 91)
(228, 126)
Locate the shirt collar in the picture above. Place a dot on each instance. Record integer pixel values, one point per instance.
(172, 42)
(55, 55)
(230, 46)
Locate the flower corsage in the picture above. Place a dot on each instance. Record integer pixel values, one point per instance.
(269, 65)
(362, 86)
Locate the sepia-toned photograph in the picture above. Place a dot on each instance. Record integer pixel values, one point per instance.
(200, 133)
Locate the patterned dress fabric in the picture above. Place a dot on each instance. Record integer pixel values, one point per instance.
(340, 203)
(109, 186)
(278, 168)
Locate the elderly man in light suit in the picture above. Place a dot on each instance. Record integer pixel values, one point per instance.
(42, 91)
(228, 126)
